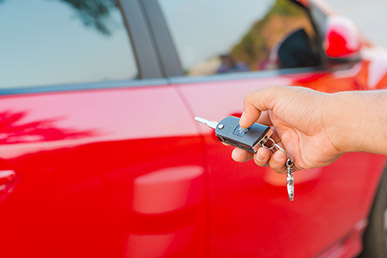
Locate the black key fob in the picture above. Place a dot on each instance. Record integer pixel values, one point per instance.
(229, 131)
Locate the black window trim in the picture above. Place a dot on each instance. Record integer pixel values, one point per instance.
(142, 40)
(164, 43)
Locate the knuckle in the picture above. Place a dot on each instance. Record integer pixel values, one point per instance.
(247, 98)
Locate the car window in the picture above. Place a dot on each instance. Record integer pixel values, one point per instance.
(223, 36)
(60, 42)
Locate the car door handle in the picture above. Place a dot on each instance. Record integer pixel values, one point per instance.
(7, 182)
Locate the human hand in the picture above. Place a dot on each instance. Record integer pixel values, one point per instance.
(298, 118)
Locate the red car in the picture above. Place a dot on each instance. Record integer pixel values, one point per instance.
(100, 155)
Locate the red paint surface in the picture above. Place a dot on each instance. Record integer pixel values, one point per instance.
(91, 164)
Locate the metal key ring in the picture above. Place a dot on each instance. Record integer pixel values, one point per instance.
(274, 146)
(271, 147)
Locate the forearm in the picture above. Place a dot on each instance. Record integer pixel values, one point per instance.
(357, 121)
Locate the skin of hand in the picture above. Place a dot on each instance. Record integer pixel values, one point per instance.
(315, 128)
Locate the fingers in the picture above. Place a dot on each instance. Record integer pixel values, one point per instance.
(278, 161)
(263, 158)
(240, 155)
(255, 103)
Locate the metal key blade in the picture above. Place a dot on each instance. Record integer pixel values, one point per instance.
(211, 124)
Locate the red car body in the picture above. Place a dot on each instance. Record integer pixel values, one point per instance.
(127, 172)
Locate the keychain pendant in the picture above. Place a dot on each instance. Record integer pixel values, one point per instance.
(290, 179)
(289, 165)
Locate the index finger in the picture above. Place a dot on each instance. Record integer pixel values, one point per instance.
(255, 103)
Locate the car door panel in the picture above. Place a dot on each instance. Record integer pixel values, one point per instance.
(102, 173)
(250, 213)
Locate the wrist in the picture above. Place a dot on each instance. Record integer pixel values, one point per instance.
(344, 121)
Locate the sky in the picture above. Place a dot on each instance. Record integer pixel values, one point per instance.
(44, 42)
(368, 15)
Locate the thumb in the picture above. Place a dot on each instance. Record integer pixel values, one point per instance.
(255, 103)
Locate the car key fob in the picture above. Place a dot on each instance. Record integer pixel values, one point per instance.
(229, 131)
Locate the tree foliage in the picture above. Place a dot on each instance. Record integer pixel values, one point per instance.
(93, 13)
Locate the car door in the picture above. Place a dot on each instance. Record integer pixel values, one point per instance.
(99, 157)
(228, 49)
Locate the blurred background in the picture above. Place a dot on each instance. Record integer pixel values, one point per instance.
(368, 15)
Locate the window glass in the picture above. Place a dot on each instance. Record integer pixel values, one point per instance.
(63, 41)
(222, 36)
